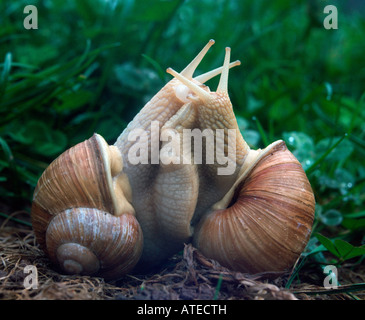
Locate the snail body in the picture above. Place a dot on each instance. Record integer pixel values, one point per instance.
(96, 211)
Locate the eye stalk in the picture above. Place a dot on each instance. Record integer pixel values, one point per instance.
(201, 93)
(191, 67)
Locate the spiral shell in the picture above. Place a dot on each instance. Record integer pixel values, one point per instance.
(81, 212)
(268, 221)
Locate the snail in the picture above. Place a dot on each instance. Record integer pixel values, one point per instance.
(107, 210)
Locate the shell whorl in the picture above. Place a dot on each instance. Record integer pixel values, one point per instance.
(268, 221)
(83, 199)
(91, 241)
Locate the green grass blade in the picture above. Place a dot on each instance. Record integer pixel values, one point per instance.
(263, 135)
(26, 223)
(321, 159)
(161, 73)
(5, 74)
(218, 287)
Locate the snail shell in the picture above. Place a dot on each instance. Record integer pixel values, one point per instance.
(81, 212)
(264, 223)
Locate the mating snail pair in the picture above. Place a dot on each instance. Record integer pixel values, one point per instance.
(97, 212)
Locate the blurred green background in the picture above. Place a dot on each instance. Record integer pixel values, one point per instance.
(91, 66)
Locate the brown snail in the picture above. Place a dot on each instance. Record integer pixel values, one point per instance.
(251, 210)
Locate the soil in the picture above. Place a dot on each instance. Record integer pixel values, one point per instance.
(187, 275)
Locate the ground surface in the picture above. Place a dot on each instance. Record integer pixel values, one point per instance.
(186, 276)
